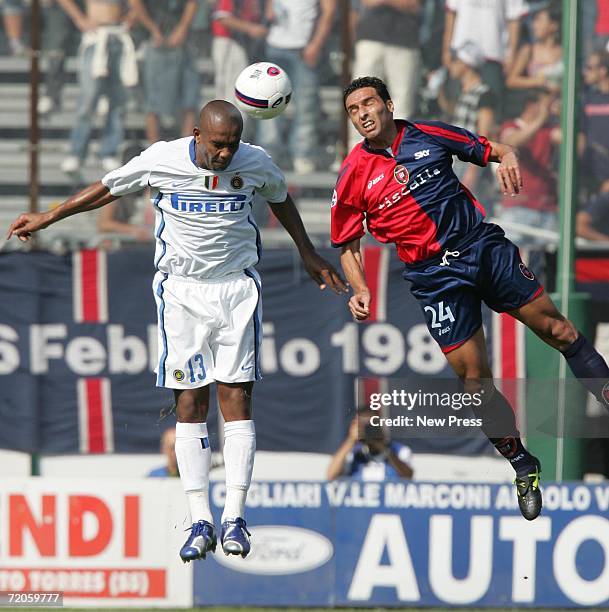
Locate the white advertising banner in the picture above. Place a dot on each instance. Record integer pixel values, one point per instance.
(99, 541)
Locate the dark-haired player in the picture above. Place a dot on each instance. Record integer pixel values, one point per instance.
(399, 179)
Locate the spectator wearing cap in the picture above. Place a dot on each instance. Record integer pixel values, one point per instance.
(474, 108)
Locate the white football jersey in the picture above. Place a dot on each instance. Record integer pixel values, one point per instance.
(204, 223)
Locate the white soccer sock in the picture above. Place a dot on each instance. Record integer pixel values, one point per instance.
(239, 449)
(194, 457)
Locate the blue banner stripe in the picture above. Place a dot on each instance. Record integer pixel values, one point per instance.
(257, 325)
(160, 379)
(238, 197)
(258, 239)
(193, 153)
(158, 235)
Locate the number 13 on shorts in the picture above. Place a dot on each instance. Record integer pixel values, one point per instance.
(196, 368)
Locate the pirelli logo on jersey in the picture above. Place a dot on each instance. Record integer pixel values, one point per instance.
(210, 203)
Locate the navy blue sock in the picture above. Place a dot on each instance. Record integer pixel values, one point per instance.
(499, 425)
(514, 451)
(588, 366)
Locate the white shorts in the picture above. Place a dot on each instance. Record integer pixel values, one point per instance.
(208, 330)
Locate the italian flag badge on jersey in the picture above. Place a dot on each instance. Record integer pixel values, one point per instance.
(211, 182)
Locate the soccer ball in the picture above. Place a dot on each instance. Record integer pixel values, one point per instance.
(263, 90)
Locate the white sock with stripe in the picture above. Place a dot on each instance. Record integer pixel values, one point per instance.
(194, 458)
(239, 450)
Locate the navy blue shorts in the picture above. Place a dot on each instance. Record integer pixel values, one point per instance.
(483, 267)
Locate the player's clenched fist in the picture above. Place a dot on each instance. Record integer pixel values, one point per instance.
(359, 305)
(25, 225)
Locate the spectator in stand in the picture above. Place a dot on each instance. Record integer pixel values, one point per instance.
(59, 37)
(495, 26)
(236, 28)
(595, 122)
(474, 108)
(168, 444)
(297, 34)
(592, 223)
(593, 70)
(539, 64)
(533, 138)
(601, 28)
(387, 46)
(371, 458)
(129, 216)
(169, 55)
(12, 16)
(107, 66)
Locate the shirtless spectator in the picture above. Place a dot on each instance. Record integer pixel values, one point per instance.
(107, 66)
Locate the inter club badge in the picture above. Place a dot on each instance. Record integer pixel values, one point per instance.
(236, 182)
(400, 174)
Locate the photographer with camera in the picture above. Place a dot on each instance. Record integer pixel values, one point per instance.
(370, 456)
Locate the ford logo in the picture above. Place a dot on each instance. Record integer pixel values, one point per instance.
(280, 549)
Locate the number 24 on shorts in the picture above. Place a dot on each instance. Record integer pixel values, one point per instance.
(195, 361)
(443, 313)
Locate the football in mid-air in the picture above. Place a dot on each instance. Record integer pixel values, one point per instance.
(263, 90)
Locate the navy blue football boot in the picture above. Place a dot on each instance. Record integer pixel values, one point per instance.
(202, 539)
(235, 537)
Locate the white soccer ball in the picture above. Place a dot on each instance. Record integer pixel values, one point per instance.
(263, 90)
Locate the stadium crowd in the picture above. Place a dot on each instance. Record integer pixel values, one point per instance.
(491, 66)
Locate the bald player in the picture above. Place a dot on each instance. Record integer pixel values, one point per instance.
(207, 293)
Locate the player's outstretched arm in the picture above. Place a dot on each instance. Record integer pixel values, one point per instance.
(508, 172)
(321, 271)
(89, 198)
(353, 267)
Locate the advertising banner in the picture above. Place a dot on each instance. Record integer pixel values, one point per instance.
(101, 543)
(343, 543)
(414, 544)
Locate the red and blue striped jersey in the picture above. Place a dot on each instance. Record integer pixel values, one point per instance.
(409, 194)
